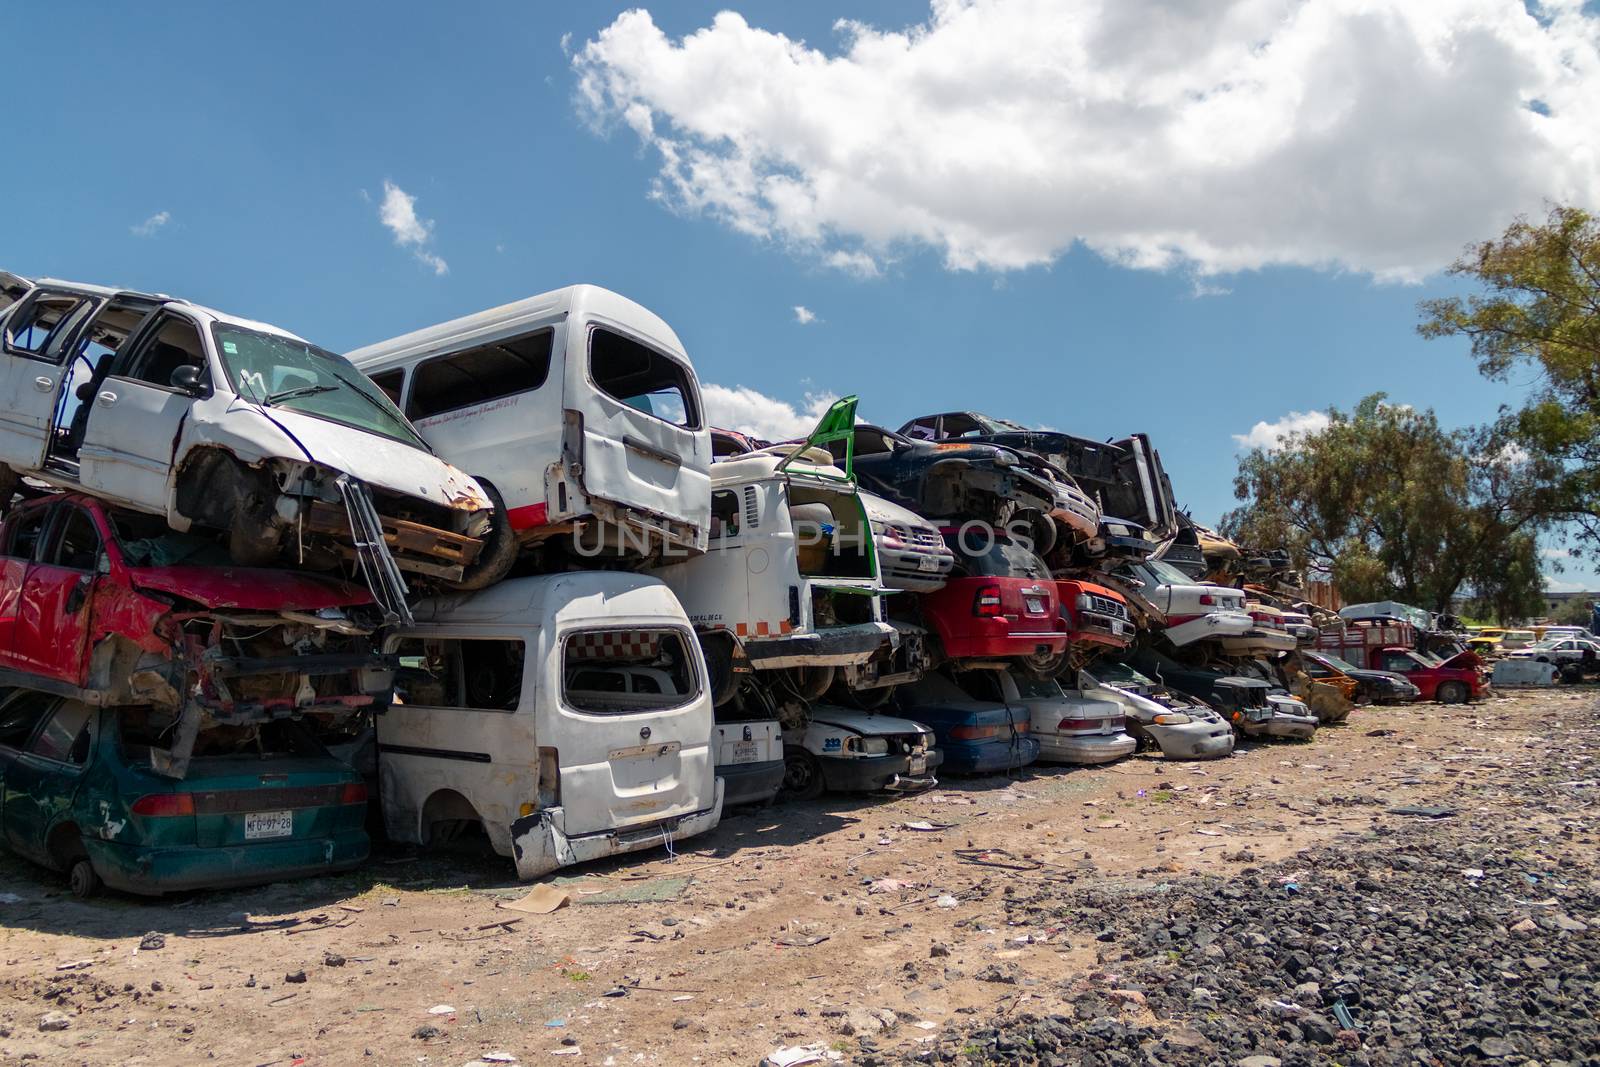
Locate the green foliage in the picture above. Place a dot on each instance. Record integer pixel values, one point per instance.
(1540, 312)
(1573, 612)
(1394, 507)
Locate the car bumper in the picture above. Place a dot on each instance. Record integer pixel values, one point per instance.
(870, 774)
(1000, 640)
(836, 646)
(540, 844)
(1196, 740)
(1216, 624)
(900, 568)
(1293, 727)
(750, 783)
(1101, 748)
(1258, 641)
(989, 757)
(152, 871)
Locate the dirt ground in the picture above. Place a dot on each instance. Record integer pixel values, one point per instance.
(791, 925)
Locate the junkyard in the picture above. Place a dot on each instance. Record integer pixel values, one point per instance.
(1428, 869)
(965, 533)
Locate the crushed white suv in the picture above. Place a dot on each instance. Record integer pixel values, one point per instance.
(167, 407)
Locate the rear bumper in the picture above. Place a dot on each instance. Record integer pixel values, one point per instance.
(153, 871)
(989, 757)
(1216, 624)
(1104, 748)
(836, 646)
(869, 774)
(1001, 641)
(1257, 641)
(540, 844)
(749, 783)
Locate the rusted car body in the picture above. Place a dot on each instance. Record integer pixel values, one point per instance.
(945, 481)
(111, 608)
(210, 420)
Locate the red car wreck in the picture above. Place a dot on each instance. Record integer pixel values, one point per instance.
(114, 608)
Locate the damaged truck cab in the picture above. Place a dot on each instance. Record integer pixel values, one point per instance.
(565, 717)
(219, 422)
(577, 409)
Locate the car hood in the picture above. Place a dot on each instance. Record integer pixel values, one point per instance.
(250, 588)
(379, 461)
(1463, 661)
(865, 723)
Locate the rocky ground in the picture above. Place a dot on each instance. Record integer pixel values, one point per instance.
(1272, 907)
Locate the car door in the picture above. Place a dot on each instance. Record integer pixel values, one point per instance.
(628, 757)
(19, 541)
(135, 415)
(19, 718)
(52, 629)
(43, 777)
(32, 350)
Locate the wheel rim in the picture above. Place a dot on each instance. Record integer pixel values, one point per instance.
(797, 774)
(81, 879)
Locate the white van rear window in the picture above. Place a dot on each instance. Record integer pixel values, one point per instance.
(477, 375)
(628, 671)
(482, 674)
(642, 378)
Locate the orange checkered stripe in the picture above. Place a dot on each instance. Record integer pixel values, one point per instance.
(763, 629)
(616, 644)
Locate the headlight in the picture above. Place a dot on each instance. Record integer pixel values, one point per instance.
(1084, 603)
(1172, 718)
(868, 746)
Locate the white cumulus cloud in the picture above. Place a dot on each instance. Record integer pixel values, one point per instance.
(749, 411)
(804, 315)
(1376, 136)
(149, 226)
(1270, 435)
(398, 212)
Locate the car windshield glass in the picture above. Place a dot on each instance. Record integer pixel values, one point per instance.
(1166, 573)
(986, 555)
(1036, 688)
(281, 372)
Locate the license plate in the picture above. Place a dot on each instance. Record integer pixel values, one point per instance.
(1034, 604)
(260, 824)
(928, 563)
(1116, 627)
(745, 752)
(919, 765)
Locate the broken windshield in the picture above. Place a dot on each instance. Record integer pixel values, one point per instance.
(273, 370)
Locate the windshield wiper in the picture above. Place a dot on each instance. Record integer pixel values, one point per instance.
(299, 391)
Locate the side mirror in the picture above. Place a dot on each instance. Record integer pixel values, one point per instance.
(187, 378)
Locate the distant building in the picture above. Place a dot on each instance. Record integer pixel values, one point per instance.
(1554, 600)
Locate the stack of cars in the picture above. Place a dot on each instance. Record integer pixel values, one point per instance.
(501, 577)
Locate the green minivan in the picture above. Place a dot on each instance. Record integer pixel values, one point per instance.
(258, 804)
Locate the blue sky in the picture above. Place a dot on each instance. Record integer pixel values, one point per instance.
(263, 136)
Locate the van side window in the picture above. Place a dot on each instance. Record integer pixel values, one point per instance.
(31, 329)
(724, 514)
(390, 382)
(488, 372)
(624, 672)
(641, 378)
(175, 343)
(481, 674)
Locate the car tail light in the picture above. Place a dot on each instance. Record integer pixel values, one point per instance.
(1080, 724)
(1207, 598)
(973, 733)
(164, 805)
(986, 604)
(353, 793)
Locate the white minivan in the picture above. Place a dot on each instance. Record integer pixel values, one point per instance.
(565, 717)
(578, 410)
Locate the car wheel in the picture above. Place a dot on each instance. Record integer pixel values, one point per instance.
(1451, 693)
(82, 878)
(500, 547)
(809, 683)
(874, 699)
(802, 775)
(724, 684)
(1045, 665)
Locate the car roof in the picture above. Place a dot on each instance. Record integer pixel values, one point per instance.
(109, 292)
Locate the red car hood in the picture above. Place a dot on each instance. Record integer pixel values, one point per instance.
(250, 588)
(1464, 661)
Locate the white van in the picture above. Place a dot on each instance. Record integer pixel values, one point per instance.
(566, 717)
(578, 409)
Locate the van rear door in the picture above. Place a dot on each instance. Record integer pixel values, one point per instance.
(645, 444)
(632, 727)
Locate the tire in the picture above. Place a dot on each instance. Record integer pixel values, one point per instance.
(1451, 693)
(875, 699)
(802, 775)
(723, 683)
(1045, 667)
(83, 879)
(1041, 530)
(809, 683)
(1571, 673)
(500, 548)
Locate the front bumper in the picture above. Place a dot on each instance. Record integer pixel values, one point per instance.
(989, 757)
(834, 646)
(900, 568)
(1194, 740)
(540, 843)
(1101, 748)
(749, 783)
(153, 871)
(1293, 727)
(869, 774)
